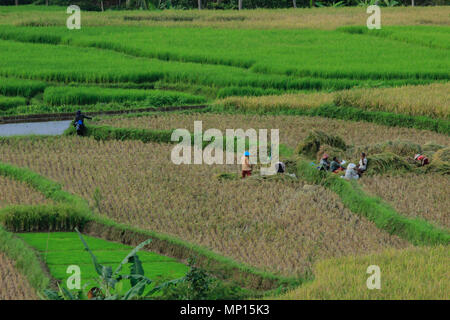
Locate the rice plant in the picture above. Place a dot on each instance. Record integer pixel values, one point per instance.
(426, 100)
(93, 95)
(292, 129)
(414, 273)
(319, 18)
(11, 102)
(13, 193)
(20, 87)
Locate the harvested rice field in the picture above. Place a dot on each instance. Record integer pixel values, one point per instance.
(292, 129)
(415, 195)
(245, 221)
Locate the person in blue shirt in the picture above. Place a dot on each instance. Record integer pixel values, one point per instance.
(79, 123)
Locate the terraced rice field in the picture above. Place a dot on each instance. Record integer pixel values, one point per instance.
(424, 195)
(245, 221)
(292, 129)
(13, 286)
(243, 64)
(354, 56)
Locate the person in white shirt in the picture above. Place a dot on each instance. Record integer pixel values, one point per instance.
(362, 164)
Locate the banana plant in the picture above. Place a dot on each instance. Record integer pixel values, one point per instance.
(334, 4)
(110, 283)
(390, 3)
(366, 3)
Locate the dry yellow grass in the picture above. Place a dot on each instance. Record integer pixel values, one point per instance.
(423, 195)
(13, 285)
(427, 100)
(301, 101)
(414, 273)
(318, 18)
(13, 192)
(272, 225)
(293, 129)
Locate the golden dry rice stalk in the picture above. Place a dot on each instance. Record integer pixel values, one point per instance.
(431, 100)
(15, 192)
(414, 195)
(13, 286)
(301, 101)
(292, 129)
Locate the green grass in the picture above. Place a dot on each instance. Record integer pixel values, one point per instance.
(62, 249)
(93, 95)
(26, 261)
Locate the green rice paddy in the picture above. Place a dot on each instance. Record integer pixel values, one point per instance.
(59, 250)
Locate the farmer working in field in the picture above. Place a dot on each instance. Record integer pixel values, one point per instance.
(280, 167)
(362, 164)
(79, 122)
(422, 159)
(246, 166)
(351, 172)
(336, 166)
(324, 164)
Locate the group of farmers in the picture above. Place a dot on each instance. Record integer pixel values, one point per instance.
(352, 171)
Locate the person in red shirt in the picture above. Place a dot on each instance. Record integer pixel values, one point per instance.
(422, 159)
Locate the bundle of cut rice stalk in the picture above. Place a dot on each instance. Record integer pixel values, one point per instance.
(440, 161)
(316, 138)
(385, 162)
(398, 147)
